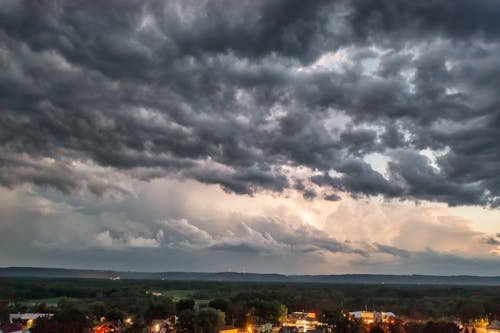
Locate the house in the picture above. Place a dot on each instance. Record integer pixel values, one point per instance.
(108, 327)
(263, 328)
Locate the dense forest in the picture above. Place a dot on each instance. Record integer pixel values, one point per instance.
(239, 303)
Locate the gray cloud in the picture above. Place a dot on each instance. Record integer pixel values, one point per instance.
(492, 241)
(197, 90)
(392, 250)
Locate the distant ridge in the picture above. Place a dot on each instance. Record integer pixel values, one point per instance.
(251, 277)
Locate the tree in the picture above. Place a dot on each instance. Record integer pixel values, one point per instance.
(219, 304)
(396, 327)
(376, 329)
(337, 321)
(98, 310)
(471, 310)
(223, 305)
(281, 313)
(70, 320)
(185, 321)
(115, 314)
(440, 327)
(208, 320)
(45, 325)
(184, 304)
(64, 303)
(4, 312)
(136, 328)
(41, 308)
(413, 327)
(159, 310)
(18, 308)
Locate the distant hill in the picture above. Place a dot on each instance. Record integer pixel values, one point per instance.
(251, 277)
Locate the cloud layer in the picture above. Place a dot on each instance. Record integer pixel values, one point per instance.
(336, 100)
(172, 225)
(229, 94)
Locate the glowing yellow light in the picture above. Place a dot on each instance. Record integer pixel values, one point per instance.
(157, 328)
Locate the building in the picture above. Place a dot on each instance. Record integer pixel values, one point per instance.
(264, 328)
(477, 325)
(367, 317)
(304, 321)
(107, 327)
(372, 317)
(26, 319)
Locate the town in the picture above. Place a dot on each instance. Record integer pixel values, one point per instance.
(211, 320)
(141, 306)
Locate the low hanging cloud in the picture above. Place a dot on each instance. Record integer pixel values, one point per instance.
(235, 93)
(187, 225)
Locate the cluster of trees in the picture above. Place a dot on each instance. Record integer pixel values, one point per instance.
(248, 308)
(336, 321)
(241, 311)
(431, 327)
(67, 320)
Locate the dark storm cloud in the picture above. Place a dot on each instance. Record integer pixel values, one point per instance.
(230, 93)
(359, 141)
(358, 177)
(419, 19)
(419, 179)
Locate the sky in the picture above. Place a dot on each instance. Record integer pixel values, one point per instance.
(268, 136)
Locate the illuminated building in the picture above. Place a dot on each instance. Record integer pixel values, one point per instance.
(26, 319)
(304, 321)
(371, 317)
(107, 327)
